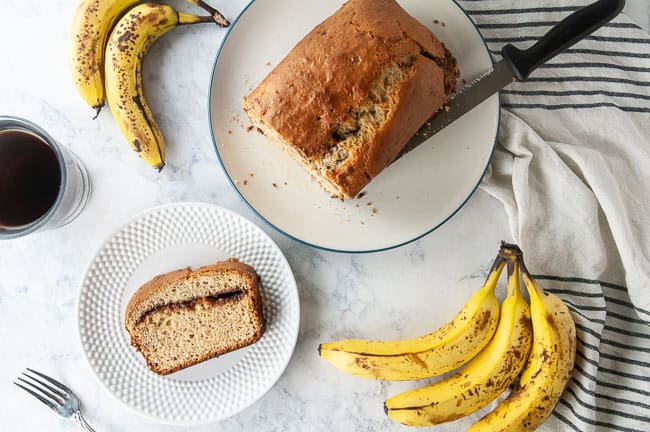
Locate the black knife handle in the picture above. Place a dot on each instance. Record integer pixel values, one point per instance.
(568, 32)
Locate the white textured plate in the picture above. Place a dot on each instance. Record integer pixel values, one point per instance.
(411, 198)
(164, 239)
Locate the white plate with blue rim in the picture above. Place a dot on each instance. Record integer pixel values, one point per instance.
(411, 198)
(161, 240)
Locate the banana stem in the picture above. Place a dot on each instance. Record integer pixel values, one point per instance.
(530, 282)
(216, 15)
(187, 19)
(513, 276)
(512, 251)
(495, 272)
(98, 109)
(498, 262)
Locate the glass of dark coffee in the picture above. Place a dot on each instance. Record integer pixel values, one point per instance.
(42, 185)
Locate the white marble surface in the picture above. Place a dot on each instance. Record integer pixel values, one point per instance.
(397, 293)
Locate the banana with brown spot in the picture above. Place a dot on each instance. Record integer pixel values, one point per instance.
(132, 37)
(548, 370)
(91, 26)
(92, 23)
(484, 378)
(436, 353)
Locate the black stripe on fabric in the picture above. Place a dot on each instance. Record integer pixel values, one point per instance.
(589, 346)
(586, 307)
(588, 330)
(573, 293)
(594, 52)
(581, 280)
(513, 39)
(587, 359)
(596, 422)
(606, 297)
(575, 93)
(608, 80)
(626, 304)
(624, 346)
(608, 397)
(598, 282)
(603, 355)
(606, 53)
(614, 286)
(566, 421)
(575, 106)
(627, 332)
(608, 384)
(598, 351)
(609, 356)
(629, 306)
(575, 310)
(618, 360)
(546, 24)
(626, 318)
(605, 410)
(623, 374)
(618, 39)
(599, 65)
(520, 11)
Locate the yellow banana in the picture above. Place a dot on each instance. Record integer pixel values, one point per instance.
(441, 351)
(491, 372)
(548, 369)
(132, 37)
(91, 26)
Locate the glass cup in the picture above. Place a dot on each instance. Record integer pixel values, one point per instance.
(74, 185)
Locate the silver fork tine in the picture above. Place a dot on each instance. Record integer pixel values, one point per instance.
(51, 380)
(56, 399)
(47, 386)
(39, 397)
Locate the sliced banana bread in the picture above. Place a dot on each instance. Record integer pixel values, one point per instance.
(348, 97)
(188, 316)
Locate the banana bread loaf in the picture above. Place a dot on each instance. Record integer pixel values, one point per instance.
(346, 100)
(185, 317)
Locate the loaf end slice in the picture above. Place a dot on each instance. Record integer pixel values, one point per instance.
(185, 317)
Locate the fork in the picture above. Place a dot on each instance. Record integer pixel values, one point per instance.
(55, 395)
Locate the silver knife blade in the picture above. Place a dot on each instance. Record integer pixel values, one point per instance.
(461, 103)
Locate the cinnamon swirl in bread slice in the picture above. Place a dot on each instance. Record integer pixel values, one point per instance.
(188, 316)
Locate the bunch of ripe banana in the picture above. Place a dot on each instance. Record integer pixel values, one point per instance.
(496, 346)
(106, 60)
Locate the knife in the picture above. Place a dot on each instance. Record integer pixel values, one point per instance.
(517, 65)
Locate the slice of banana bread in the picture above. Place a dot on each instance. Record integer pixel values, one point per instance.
(188, 316)
(348, 97)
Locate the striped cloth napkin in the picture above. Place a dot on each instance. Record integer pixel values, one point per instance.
(572, 169)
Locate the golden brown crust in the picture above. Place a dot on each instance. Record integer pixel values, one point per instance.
(160, 282)
(230, 264)
(332, 71)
